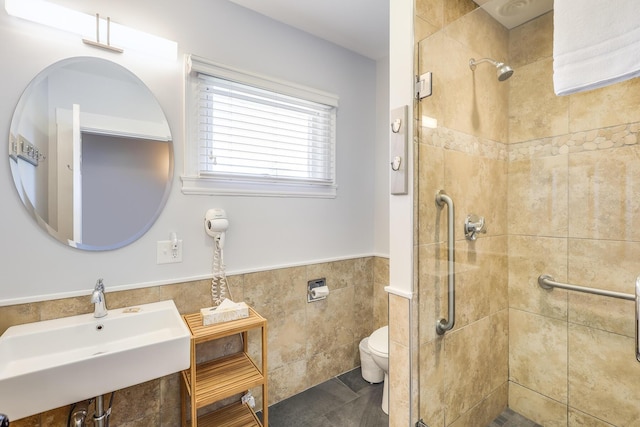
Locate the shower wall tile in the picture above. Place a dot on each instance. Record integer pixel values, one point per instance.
(609, 314)
(486, 411)
(430, 50)
(604, 383)
(580, 419)
(537, 407)
(596, 139)
(498, 272)
(399, 374)
(609, 265)
(451, 139)
(467, 367)
(477, 185)
(608, 106)
(534, 109)
(431, 11)
(457, 9)
(538, 353)
(473, 283)
(423, 29)
(398, 327)
(432, 298)
(531, 42)
(493, 43)
(604, 188)
(499, 355)
(400, 397)
(529, 257)
(484, 113)
(432, 385)
(431, 218)
(537, 196)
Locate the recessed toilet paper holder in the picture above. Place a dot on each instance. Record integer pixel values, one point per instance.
(317, 290)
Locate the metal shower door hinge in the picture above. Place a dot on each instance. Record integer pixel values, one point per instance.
(421, 424)
(423, 85)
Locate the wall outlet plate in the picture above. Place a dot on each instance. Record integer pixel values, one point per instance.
(164, 253)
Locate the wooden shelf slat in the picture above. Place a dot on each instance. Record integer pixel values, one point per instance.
(222, 378)
(236, 415)
(201, 333)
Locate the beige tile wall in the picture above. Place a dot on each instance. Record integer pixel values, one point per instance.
(297, 359)
(574, 182)
(558, 179)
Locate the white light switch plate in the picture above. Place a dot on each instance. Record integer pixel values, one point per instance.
(165, 255)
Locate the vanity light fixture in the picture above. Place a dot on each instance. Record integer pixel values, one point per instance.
(89, 26)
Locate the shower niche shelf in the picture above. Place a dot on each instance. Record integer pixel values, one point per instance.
(209, 382)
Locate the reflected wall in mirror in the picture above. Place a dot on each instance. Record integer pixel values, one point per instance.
(91, 153)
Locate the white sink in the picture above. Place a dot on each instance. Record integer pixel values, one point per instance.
(48, 364)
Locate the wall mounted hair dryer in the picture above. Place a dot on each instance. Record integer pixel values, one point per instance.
(216, 224)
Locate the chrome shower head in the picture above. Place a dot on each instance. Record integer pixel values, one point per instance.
(503, 70)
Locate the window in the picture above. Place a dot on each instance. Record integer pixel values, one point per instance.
(251, 135)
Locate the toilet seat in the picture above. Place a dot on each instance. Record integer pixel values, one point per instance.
(379, 342)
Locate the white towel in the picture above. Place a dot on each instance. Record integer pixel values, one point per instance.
(595, 43)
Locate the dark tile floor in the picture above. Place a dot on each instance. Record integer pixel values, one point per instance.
(350, 401)
(508, 418)
(343, 401)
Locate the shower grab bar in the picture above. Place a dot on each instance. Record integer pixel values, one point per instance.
(545, 281)
(445, 325)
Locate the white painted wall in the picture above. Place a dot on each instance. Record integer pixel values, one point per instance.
(401, 77)
(381, 183)
(264, 232)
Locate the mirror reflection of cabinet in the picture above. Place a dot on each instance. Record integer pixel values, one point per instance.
(104, 161)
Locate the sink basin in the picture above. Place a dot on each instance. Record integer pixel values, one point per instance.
(48, 364)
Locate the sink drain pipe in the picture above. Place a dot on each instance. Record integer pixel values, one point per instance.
(79, 411)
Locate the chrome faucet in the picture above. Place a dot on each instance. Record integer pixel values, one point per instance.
(97, 298)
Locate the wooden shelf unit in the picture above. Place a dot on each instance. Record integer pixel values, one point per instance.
(208, 382)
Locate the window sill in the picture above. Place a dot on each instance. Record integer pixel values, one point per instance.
(217, 187)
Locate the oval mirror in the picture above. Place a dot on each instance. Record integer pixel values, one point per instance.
(91, 153)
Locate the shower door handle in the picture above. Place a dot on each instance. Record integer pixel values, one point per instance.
(445, 325)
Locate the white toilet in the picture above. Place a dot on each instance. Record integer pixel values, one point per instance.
(379, 348)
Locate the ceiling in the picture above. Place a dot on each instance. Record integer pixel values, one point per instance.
(363, 25)
(511, 13)
(358, 25)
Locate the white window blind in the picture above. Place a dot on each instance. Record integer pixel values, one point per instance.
(255, 135)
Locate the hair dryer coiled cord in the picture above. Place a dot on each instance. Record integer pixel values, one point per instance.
(219, 279)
